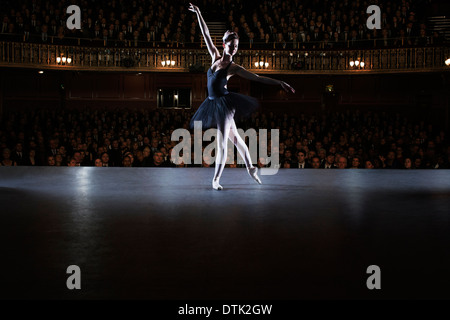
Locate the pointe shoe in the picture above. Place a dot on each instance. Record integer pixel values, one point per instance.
(253, 172)
(216, 185)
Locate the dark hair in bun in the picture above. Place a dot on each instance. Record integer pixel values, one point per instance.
(229, 35)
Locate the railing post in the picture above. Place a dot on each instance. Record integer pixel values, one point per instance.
(415, 58)
(424, 57)
(314, 61)
(330, 59)
(396, 57)
(380, 60)
(433, 57)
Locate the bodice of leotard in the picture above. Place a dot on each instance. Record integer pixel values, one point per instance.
(216, 82)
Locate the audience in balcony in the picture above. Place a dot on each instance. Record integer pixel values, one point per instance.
(266, 24)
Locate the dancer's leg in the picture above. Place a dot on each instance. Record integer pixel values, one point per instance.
(240, 145)
(223, 131)
(243, 151)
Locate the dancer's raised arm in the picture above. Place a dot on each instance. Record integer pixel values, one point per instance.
(205, 31)
(240, 71)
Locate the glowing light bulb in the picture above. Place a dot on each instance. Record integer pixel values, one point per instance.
(58, 59)
(172, 62)
(69, 60)
(362, 64)
(163, 63)
(357, 63)
(256, 64)
(266, 64)
(261, 63)
(64, 59)
(352, 63)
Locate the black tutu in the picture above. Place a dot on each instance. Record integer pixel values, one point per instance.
(213, 110)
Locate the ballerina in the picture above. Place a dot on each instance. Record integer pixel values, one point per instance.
(221, 106)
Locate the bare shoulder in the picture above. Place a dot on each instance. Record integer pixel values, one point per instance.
(215, 58)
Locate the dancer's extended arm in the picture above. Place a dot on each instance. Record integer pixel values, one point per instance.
(205, 31)
(240, 71)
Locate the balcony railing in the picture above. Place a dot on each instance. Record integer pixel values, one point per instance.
(51, 56)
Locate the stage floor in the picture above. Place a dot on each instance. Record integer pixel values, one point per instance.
(164, 233)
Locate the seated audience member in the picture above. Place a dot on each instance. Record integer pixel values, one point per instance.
(301, 160)
(6, 161)
(98, 162)
(369, 164)
(329, 162)
(158, 160)
(315, 162)
(342, 162)
(105, 159)
(356, 163)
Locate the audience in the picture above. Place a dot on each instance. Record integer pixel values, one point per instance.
(284, 24)
(328, 140)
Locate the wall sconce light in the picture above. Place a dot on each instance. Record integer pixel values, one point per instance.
(63, 60)
(168, 62)
(261, 64)
(447, 62)
(357, 63)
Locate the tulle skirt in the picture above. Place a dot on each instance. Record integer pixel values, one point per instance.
(215, 110)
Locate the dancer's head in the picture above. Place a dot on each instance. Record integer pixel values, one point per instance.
(230, 42)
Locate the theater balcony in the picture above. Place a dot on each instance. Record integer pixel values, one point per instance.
(176, 58)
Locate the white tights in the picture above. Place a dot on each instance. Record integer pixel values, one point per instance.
(227, 130)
